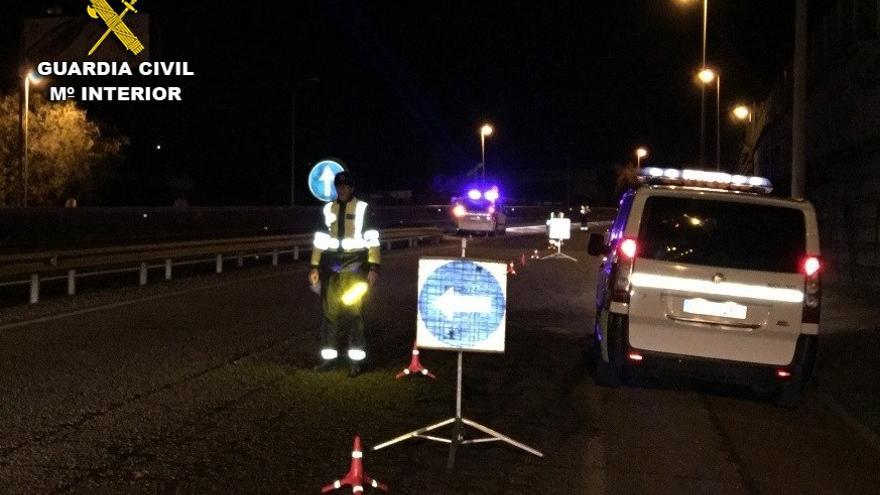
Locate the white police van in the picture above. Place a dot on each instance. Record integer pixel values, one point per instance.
(704, 273)
(479, 212)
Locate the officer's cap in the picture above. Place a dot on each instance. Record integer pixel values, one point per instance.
(343, 178)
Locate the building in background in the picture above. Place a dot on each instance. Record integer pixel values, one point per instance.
(843, 136)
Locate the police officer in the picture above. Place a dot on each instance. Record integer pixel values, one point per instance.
(345, 261)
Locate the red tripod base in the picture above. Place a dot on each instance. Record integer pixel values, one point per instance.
(356, 478)
(415, 367)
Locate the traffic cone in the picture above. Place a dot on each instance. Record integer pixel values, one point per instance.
(510, 269)
(356, 476)
(415, 367)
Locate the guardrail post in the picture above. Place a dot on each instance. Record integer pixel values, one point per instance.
(219, 264)
(388, 246)
(412, 242)
(295, 253)
(35, 288)
(71, 282)
(143, 273)
(274, 257)
(168, 269)
(240, 260)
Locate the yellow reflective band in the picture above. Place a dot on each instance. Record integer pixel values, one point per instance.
(354, 293)
(722, 289)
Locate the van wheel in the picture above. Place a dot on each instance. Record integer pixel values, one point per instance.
(790, 394)
(613, 372)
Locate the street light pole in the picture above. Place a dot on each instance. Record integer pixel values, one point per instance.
(799, 102)
(24, 119)
(486, 130)
(293, 137)
(483, 154)
(706, 76)
(718, 123)
(703, 88)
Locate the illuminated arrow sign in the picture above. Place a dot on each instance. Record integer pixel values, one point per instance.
(327, 179)
(450, 303)
(321, 179)
(461, 304)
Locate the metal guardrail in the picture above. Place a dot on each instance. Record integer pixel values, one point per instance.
(32, 229)
(71, 263)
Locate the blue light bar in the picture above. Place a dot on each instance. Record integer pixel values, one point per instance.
(703, 178)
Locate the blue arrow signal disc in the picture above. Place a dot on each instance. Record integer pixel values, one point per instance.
(321, 180)
(461, 304)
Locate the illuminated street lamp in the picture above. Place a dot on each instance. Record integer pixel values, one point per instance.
(485, 130)
(706, 76)
(742, 113)
(29, 78)
(640, 153)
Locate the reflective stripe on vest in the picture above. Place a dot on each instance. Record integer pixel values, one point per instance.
(353, 239)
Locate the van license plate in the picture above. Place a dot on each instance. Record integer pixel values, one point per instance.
(722, 309)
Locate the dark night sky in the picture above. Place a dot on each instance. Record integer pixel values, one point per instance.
(405, 84)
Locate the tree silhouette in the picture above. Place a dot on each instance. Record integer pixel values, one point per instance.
(69, 156)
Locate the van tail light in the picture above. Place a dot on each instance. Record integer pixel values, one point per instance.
(622, 270)
(628, 248)
(811, 267)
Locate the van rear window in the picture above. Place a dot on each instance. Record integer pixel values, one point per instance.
(723, 233)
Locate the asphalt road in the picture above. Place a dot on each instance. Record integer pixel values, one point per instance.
(205, 386)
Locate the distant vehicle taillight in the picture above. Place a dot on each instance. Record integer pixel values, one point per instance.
(459, 210)
(626, 255)
(812, 289)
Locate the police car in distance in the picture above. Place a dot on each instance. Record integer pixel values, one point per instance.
(479, 211)
(704, 273)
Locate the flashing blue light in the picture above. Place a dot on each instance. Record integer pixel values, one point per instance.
(474, 194)
(491, 194)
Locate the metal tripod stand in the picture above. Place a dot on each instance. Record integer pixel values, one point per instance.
(458, 423)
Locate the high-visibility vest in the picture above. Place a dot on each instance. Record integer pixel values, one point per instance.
(345, 232)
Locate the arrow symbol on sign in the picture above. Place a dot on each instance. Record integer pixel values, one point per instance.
(450, 303)
(326, 177)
